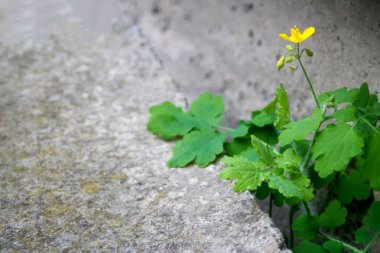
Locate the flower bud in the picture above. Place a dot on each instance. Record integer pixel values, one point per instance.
(289, 48)
(289, 59)
(292, 68)
(309, 52)
(281, 63)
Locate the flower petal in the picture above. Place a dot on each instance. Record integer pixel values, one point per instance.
(284, 37)
(308, 32)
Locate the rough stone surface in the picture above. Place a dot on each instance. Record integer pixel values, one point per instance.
(80, 172)
(231, 47)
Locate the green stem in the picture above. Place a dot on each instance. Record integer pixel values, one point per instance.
(369, 124)
(370, 243)
(270, 204)
(305, 163)
(346, 245)
(307, 208)
(306, 75)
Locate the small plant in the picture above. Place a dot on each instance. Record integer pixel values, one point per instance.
(335, 149)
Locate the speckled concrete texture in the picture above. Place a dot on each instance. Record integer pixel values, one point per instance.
(80, 172)
(231, 47)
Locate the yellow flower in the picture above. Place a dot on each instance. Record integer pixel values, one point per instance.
(296, 36)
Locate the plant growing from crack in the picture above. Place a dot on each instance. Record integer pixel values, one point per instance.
(335, 149)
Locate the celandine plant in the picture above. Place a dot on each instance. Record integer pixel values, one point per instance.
(335, 150)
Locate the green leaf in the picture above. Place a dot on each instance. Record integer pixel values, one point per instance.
(237, 146)
(352, 187)
(241, 130)
(278, 199)
(346, 115)
(208, 110)
(333, 247)
(201, 146)
(265, 152)
(296, 131)
(308, 247)
(305, 227)
(266, 116)
(372, 220)
(370, 164)
(289, 162)
(333, 216)
(301, 147)
(282, 112)
(267, 134)
(263, 191)
(342, 95)
(249, 175)
(297, 187)
(168, 121)
(317, 182)
(334, 148)
(362, 98)
(362, 236)
(250, 154)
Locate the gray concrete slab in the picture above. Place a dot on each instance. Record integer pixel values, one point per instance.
(79, 172)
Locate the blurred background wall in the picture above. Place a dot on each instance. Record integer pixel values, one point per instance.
(224, 46)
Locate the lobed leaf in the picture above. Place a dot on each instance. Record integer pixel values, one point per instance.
(168, 121)
(309, 247)
(342, 95)
(208, 110)
(334, 148)
(249, 175)
(305, 227)
(370, 164)
(353, 186)
(333, 216)
(346, 115)
(333, 247)
(282, 111)
(201, 146)
(299, 130)
(297, 187)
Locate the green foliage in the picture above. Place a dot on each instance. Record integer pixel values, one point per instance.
(299, 130)
(307, 227)
(201, 146)
(282, 112)
(168, 121)
(309, 247)
(336, 149)
(353, 186)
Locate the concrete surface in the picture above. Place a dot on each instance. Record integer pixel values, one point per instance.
(79, 172)
(231, 47)
(227, 47)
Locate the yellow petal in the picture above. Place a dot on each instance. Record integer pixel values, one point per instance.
(284, 36)
(295, 33)
(308, 32)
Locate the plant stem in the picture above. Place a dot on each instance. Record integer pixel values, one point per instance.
(270, 204)
(306, 75)
(292, 210)
(307, 208)
(346, 245)
(370, 243)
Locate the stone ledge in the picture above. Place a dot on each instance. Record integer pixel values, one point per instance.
(80, 172)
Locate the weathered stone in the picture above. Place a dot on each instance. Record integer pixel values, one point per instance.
(231, 48)
(80, 172)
